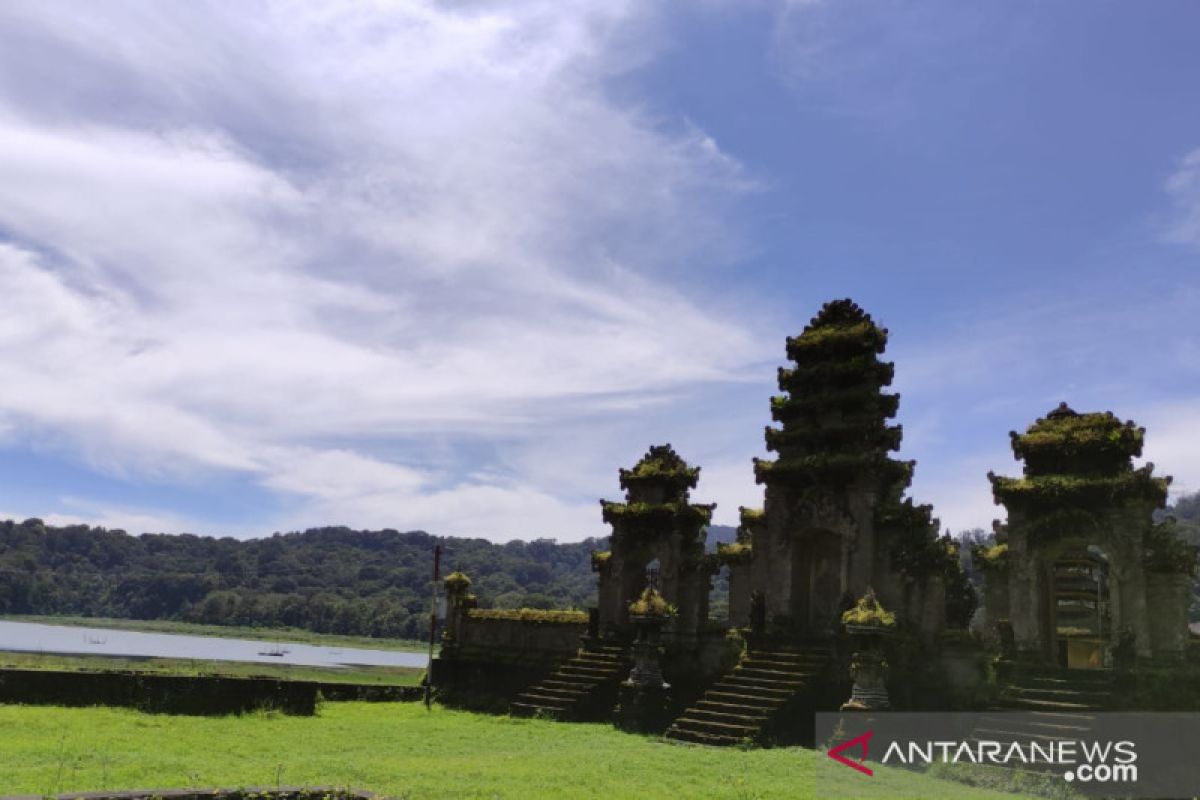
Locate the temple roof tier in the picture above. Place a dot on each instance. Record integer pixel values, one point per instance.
(1065, 442)
(853, 437)
(862, 401)
(840, 468)
(836, 375)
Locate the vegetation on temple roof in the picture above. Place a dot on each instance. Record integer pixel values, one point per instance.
(837, 375)
(873, 435)
(866, 401)
(660, 513)
(734, 552)
(841, 327)
(661, 466)
(651, 603)
(752, 516)
(868, 612)
(1045, 492)
(1067, 442)
(572, 616)
(833, 468)
(750, 519)
(457, 582)
(990, 559)
(833, 412)
(601, 559)
(828, 340)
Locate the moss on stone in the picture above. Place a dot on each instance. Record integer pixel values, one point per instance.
(869, 613)
(571, 616)
(734, 552)
(651, 603)
(457, 582)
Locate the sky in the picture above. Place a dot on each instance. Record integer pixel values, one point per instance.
(447, 266)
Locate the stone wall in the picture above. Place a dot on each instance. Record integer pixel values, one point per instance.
(552, 637)
(488, 660)
(169, 694)
(1167, 598)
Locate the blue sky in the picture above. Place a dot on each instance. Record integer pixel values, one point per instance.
(273, 265)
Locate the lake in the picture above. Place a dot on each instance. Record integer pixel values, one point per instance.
(32, 637)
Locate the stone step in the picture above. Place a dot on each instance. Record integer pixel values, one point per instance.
(554, 691)
(1075, 676)
(573, 670)
(533, 709)
(700, 737)
(734, 717)
(780, 684)
(1006, 736)
(814, 665)
(753, 671)
(600, 659)
(735, 729)
(535, 697)
(1065, 684)
(1045, 705)
(740, 698)
(775, 695)
(566, 683)
(735, 709)
(1059, 693)
(1066, 724)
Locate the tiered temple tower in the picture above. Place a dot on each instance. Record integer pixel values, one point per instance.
(1081, 559)
(656, 523)
(834, 523)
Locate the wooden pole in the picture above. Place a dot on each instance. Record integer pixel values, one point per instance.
(437, 558)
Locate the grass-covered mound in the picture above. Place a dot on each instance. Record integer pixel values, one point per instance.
(399, 750)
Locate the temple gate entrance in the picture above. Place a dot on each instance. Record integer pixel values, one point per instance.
(817, 581)
(1081, 622)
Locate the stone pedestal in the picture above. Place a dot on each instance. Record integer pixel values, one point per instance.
(643, 709)
(644, 699)
(647, 670)
(868, 668)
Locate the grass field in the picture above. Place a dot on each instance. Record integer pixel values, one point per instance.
(403, 751)
(381, 676)
(290, 635)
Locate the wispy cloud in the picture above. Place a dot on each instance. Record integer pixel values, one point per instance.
(1183, 189)
(309, 244)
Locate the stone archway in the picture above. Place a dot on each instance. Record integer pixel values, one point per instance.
(817, 581)
(1080, 626)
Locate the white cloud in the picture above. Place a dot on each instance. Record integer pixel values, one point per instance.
(1183, 188)
(276, 242)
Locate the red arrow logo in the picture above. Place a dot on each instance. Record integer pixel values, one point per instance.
(857, 741)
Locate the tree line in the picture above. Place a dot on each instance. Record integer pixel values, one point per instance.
(329, 580)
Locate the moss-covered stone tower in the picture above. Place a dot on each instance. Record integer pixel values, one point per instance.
(835, 523)
(657, 522)
(1083, 562)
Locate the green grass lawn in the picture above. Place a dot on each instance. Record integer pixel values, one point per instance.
(402, 751)
(376, 676)
(289, 635)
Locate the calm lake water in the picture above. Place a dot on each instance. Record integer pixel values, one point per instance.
(33, 637)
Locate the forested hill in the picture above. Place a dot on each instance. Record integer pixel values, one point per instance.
(330, 580)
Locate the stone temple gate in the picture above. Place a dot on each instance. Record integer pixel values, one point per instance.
(835, 523)
(656, 525)
(1081, 563)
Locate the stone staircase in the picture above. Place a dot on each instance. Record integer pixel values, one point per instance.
(1057, 704)
(737, 707)
(583, 687)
